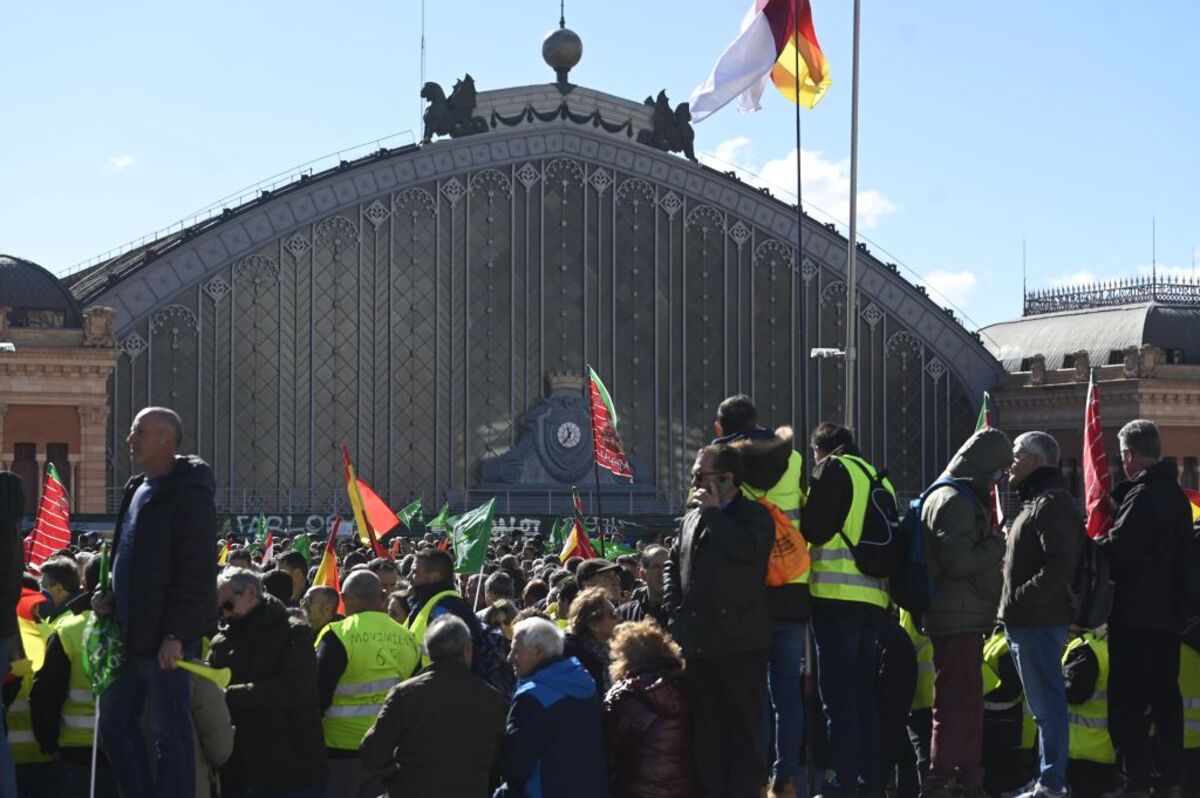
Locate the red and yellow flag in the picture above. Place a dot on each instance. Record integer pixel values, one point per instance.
(813, 78)
(370, 511)
(327, 571)
(577, 543)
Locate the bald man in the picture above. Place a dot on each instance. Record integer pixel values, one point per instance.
(164, 594)
(358, 660)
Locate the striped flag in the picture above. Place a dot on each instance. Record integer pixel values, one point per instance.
(577, 543)
(52, 531)
(1097, 479)
(773, 34)
(327, 571)
(269, 548)
(363, 517)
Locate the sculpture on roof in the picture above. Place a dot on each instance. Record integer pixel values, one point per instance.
(672, 130)
(451, 116)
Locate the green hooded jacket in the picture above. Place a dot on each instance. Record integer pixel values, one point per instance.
(965, 554)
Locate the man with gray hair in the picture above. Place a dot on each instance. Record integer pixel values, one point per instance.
(1043, 547)
(554, 744)
(441, 729)
(1145, 553)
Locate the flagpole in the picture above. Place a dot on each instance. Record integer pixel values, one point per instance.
(95, 747)
(587, 398)
(852, 243)
(798, 270)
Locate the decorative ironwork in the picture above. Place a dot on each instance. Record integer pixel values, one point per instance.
(562, 111)
(528, 175)
(217, 289)
(1164, 290)
(672, 130)
(451, 116)
(740, 233)
(133, 345)
(872, 315)
(376, 213)
(297, 245)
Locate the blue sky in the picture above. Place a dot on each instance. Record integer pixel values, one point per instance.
(1067, 124)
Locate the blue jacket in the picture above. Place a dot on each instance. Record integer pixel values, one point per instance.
(554, 745)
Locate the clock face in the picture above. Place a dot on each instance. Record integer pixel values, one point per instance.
(568, 434)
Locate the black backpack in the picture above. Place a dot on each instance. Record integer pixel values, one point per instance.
(879, 552)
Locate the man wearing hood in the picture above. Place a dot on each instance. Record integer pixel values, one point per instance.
(965, 555)
(1044, 545)
(164, 593)
(1145, 553)
(774, 470)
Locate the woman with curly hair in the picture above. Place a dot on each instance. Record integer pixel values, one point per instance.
(648, 717)
(589, 628)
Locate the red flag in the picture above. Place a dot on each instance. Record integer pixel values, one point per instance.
(327, 571)
(605, 442)
(360, 494)
(1097, 479)
(269, 548)
(52, 531)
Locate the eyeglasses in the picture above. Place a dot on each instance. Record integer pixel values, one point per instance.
(228, 605)
(701, 474)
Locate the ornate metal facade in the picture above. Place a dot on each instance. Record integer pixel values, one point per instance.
(1114, 293)
(412, 304)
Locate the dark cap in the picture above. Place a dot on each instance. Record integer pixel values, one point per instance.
(590, 569)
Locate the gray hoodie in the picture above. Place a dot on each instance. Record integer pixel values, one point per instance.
(964, 552)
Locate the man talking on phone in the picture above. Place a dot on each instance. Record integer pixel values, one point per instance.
(716, 601)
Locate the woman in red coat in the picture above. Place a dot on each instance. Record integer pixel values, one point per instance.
(647, 716)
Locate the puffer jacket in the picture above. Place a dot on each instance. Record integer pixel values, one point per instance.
(965, 554)
(766, 456)
(272, 700)
(648, 727)
(1044, 545)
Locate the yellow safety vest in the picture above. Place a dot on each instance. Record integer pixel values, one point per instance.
(834, 574)
(1089, 739)
(380, 654)
(787, 495)
(417, 624)
(1189, 689)
(923, 696)
(994, 649)
(78, 722)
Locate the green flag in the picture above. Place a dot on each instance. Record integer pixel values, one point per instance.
(103, 650)
(300, 543)
(260, 529)
(987, 413)
(441, 520)
(470, 535)
(411, 513)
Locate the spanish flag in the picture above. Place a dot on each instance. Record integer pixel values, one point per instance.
(777, 43)
(1194, 499)
(370, 512)
(577, 543)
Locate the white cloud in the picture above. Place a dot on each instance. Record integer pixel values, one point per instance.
(826, 182)
(116, 163)
(956, 287)
(1081, 277)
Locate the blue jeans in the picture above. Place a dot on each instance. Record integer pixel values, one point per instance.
(1037, 652)
(141, 683)
(846, 635)
(785, 701)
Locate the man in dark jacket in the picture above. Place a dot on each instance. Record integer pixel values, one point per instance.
(164, 595)
(647, 600)
(1144, 549)
(433, 595)
(965, 555)
(774, 471)
(554, 744)
(272, 696)
(716, 600)
(1043, 547)
(443, 728)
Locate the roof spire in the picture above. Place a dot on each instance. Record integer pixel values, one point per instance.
(562, 13)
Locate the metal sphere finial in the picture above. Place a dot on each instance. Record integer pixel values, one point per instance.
(562, 49)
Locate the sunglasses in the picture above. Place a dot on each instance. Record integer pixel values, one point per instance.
(228, 606)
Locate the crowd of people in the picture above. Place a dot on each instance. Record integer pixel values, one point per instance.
(675, 672)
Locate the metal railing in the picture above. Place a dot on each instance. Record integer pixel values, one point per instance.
(250, 193)
(1167, 290)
